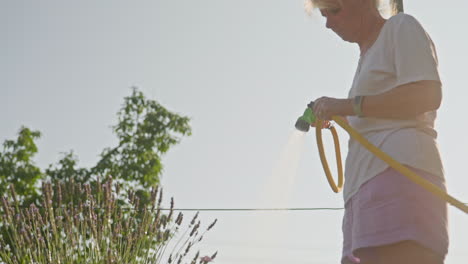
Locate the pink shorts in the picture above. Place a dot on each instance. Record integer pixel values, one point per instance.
(389, 209)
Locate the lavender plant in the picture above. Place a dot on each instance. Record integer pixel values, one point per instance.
(93, 228)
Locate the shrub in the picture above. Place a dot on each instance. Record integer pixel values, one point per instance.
(93, 228)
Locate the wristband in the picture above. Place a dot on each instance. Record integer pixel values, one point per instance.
(357, 105)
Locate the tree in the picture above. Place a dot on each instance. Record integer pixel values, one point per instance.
(145, 131)
(17, 167)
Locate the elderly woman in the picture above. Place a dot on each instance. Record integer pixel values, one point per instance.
(392, 102)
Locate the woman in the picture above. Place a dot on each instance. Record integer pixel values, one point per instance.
(392, 102)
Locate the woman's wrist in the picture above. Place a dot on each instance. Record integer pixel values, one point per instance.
(346, 108)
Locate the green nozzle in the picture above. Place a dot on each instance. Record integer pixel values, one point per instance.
(303, 123)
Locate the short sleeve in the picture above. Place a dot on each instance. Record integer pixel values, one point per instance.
(414, 52)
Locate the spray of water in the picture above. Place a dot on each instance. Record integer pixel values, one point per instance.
(272, 226)
(277, 189)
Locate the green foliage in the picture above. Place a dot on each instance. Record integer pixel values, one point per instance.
(91, 228)
(17, 167)
(84, 220)
(66, 169)
(145, 131)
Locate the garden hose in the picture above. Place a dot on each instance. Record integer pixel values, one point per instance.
(336, 188)
(380, 154)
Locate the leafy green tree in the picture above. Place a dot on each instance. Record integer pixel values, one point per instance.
(66, 169)
(17, 167)
(145, 131)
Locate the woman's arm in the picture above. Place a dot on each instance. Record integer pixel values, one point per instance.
(406, 101)
(403, 102)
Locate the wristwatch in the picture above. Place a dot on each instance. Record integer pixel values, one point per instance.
(357, 105)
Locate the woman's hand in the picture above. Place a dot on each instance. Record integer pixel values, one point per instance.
(326, 107)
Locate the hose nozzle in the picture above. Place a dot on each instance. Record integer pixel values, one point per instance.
(303, 123)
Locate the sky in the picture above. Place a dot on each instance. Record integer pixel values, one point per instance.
(243, 71)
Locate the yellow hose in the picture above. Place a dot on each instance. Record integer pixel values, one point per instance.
(383, 156)
(318, 134)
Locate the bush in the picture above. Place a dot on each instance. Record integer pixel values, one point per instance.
(93, 228)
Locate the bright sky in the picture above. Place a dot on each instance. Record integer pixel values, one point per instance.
(243, 71)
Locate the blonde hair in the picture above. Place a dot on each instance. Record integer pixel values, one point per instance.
(327, 4)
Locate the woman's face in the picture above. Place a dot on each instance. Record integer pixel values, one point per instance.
(345, 19)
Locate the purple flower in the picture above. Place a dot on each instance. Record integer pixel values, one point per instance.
(206, 259)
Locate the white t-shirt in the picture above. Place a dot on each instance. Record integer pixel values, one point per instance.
(403, 53)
